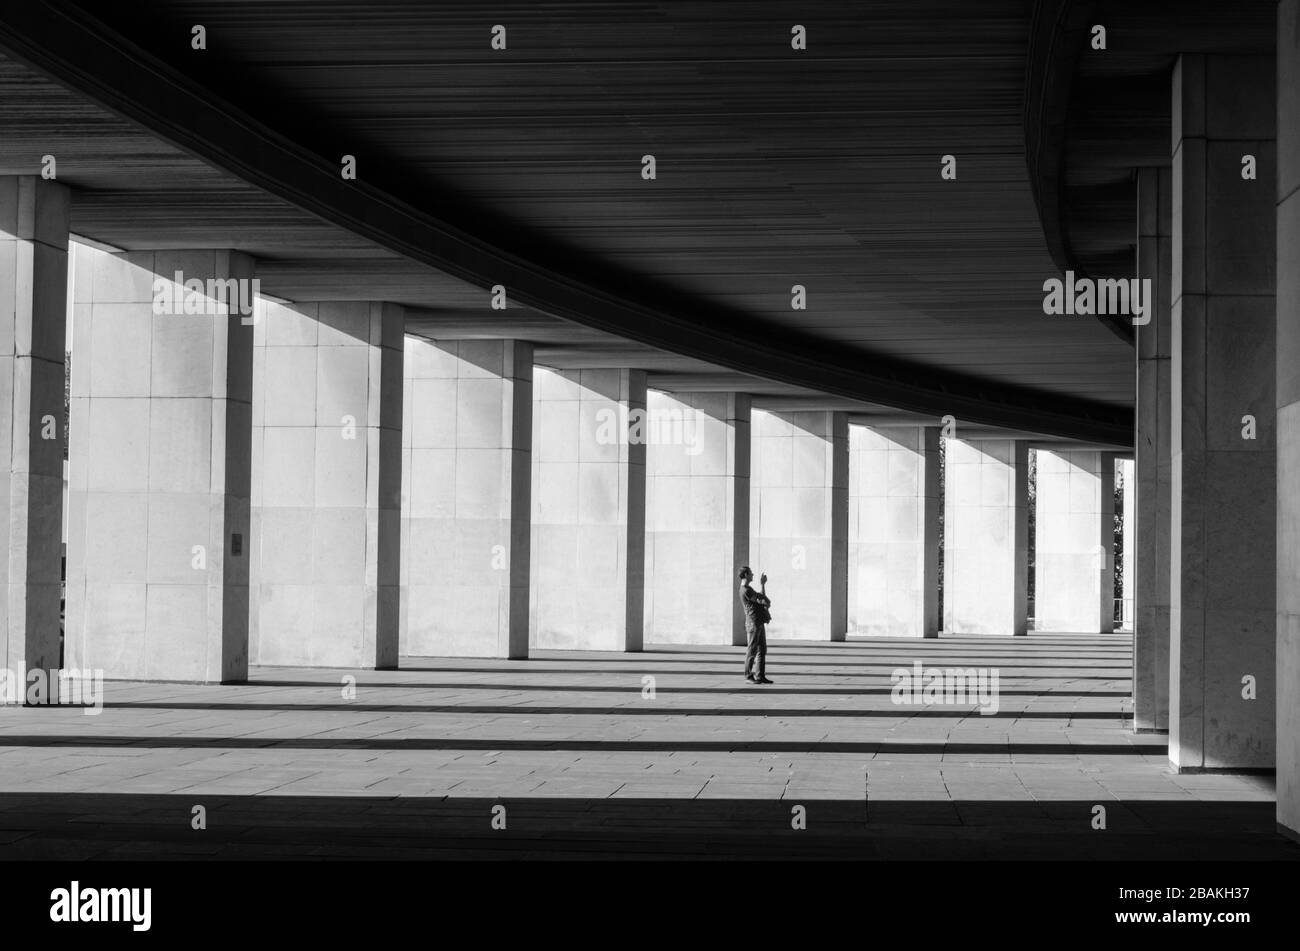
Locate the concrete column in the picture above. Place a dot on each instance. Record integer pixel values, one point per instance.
(986, 537)
(1074, 548)
(799, 511)
(1224, 486)
(33, 295)
(159, 479)
(1126, 477)
(1287, 317)
(588, 534)
(466, 500)
(894, 531)
(1153, 459)
(327, 420)
(697, 516)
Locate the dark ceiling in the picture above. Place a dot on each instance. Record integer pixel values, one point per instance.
(775, 167)
(1116, 109)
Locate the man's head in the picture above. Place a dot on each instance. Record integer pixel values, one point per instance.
(746, 575)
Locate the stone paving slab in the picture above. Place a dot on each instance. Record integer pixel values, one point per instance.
(568, 737)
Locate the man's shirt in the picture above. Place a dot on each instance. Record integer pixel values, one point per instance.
(750, 600)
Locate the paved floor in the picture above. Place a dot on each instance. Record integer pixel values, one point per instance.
(585, 758)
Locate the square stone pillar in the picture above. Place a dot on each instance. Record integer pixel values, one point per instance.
(160, 446)
(894, 531)
(1287, 397)
(466, 500)
(33, 317)
(986, 537)
(697, 516)
(588, 533)
(1074, 544)
(799, 513)
(1224, 485)
(1125, 474)
(327, 413)
(1152, 457)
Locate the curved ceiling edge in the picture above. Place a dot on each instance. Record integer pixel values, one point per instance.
(67, 44)
(1059, 31)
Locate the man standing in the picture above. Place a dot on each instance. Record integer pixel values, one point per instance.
(756, 604)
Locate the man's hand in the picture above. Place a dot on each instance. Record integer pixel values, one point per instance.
(763, 579)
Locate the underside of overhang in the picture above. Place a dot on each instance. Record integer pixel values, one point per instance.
(1093, 115)
(159, 157)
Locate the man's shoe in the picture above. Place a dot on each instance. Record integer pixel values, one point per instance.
(749, 678)
(762, 680)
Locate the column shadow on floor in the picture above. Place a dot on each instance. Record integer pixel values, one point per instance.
(417, 744)
(627, 688)
(938, 712)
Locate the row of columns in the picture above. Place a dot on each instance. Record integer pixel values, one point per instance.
(1217, 644)
(1212, 563)
(579, 510)
(361, 523)
(303, 485)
